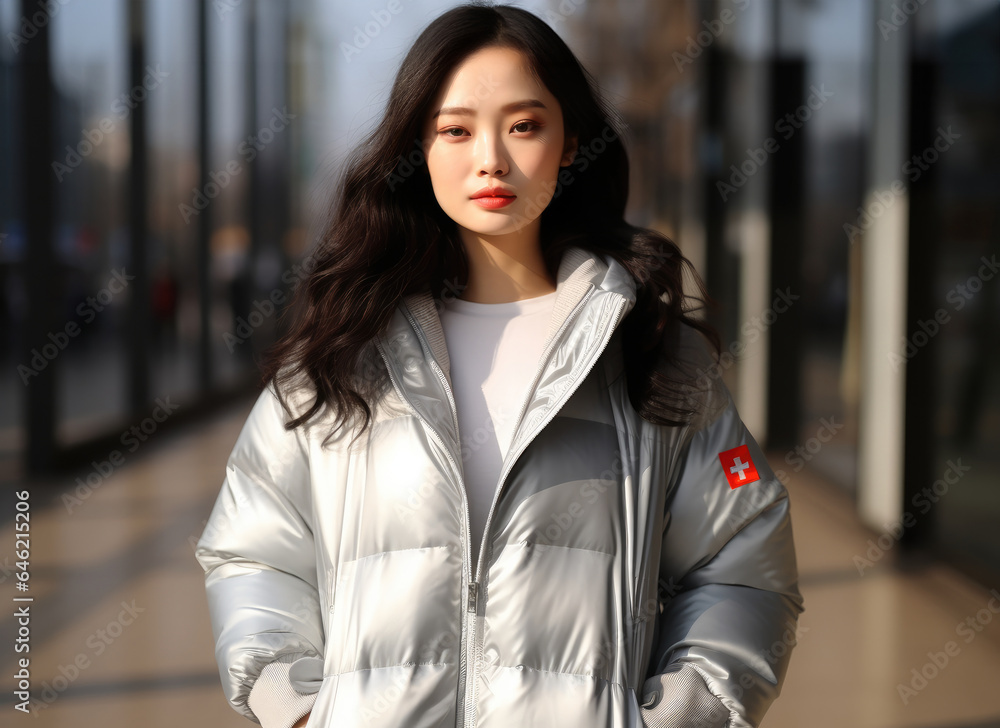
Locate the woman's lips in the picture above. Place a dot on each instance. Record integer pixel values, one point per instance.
(494, 203)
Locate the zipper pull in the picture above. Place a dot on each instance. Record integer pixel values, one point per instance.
(472, 596)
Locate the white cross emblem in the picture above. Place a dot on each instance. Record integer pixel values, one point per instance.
(738, 467)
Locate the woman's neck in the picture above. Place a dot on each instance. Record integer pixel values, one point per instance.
(505, 268)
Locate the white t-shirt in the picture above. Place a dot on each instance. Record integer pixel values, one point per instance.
(494, 350)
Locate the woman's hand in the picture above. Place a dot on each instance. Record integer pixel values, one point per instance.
(680, 696)
(300, 723)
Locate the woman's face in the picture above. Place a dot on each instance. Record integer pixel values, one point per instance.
(493, 126)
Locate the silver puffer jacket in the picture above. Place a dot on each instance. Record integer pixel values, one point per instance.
(616, 553)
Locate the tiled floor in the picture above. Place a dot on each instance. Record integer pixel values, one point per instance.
(120, 633)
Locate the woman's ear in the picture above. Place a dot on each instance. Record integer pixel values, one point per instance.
(569, 151)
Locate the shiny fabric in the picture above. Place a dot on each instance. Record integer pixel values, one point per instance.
(614, 551)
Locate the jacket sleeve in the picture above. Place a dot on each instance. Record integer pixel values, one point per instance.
(258, 555)
(729, 581)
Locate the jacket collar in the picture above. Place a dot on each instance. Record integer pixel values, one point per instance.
(579, 270)
(414, 348)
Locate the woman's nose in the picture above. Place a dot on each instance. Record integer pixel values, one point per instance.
(492, 156)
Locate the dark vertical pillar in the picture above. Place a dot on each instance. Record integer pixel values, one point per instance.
(139, 311)
(786, 203)
(924, 224)
(288, 140)
(36, 101)
(204, 219)
(255, 198)
(287, 156)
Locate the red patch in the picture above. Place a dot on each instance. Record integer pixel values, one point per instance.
(738, 466)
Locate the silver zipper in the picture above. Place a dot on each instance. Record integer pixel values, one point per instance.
(469, 622)
(509, 461)
(472, 596)
(472, 601)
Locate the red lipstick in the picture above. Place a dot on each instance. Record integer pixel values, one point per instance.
(493, 203)
(493, 198)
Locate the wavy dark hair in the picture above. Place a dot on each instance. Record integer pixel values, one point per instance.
(388, 237)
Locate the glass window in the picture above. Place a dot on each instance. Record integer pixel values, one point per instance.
(265, 154)
(91, 247)
(225, 195)
(836, 44)
(962, 489)
(171, 49)
(12, 287)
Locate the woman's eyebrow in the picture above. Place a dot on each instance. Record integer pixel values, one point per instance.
(466, 111)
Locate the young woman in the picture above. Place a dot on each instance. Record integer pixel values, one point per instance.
(494, 478)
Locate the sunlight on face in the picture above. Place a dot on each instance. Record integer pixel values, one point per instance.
(493, 126)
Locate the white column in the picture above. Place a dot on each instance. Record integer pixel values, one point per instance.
(883, 283)
(755, 299)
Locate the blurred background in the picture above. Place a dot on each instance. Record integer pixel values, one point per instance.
(832, 168)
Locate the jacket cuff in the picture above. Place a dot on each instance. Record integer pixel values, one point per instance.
(681, 697)
(274, 700)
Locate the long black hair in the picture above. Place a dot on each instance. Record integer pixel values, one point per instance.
(388, 237)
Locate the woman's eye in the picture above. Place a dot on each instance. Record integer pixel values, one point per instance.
(520, 127)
